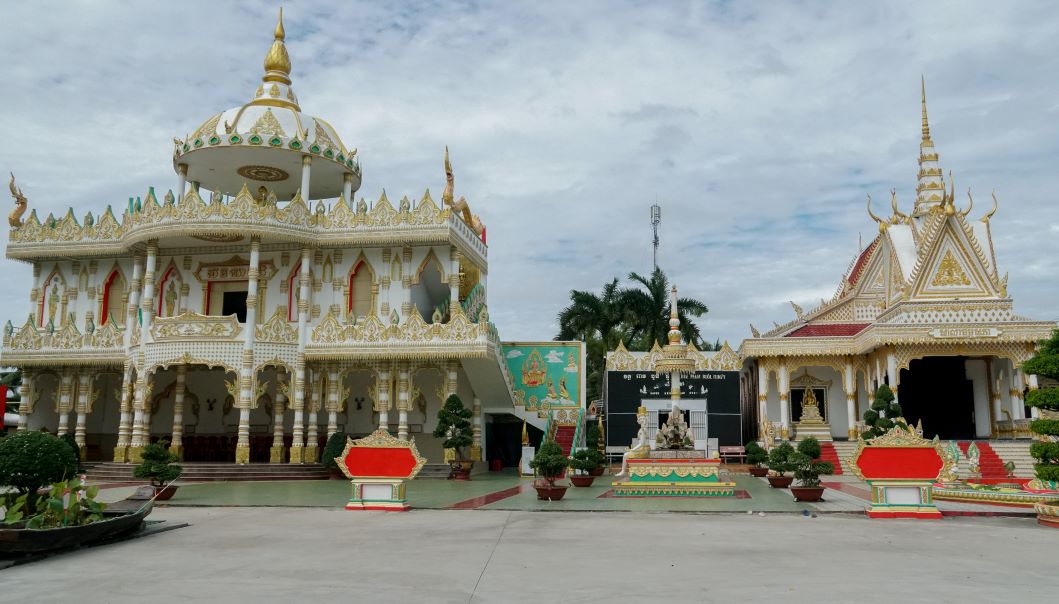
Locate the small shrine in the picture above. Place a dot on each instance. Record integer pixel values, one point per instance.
(811, 422)
(673, 466)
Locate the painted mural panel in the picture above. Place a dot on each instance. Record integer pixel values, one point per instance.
(546, 375)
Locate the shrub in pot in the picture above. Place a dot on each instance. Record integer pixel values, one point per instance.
(336, 443)
(807, 470)
(159, 466)
(779, 464)
(549, 464)
(592, 442)
(31, 460)
(1046, 452)
(455, 427)
(586, 461)
(883, 415)
(758, 459)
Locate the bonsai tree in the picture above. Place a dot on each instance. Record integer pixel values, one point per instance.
(31, 460)
(336, 443)
(779, 458)
(807, 470)
(883, 415)
(158, 465)
(1045, 364)
(586, 460)
(454, 426)
(550, 462)
(71, 441)
(756, 455)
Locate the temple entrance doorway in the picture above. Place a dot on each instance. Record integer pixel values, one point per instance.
(938, 391)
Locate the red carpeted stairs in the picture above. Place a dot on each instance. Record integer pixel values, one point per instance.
(828, 453)
(564, 437)
(989, 463)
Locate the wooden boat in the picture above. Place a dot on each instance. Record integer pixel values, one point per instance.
(20, 541)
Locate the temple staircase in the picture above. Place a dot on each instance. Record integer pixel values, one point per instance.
(990, 465)
(844, 449)
(1017, 451)
(829, 453)
(107, 472)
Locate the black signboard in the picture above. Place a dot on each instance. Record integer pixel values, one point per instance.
(626, 389)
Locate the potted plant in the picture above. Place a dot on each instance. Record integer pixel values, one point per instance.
(336, 443)
(587, 461)
(158, 465)
(30, 460)
(549, 464)
(779, 464)
(592, 442)
(454, 426)
(758, 459)
(807, 470)
(883, 414)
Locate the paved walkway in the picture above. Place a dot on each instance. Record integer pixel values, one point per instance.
(306, 555)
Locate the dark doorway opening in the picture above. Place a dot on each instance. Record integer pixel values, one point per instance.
(234, 303)
(936, 390)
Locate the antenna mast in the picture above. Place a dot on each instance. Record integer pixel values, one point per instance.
(656, 219)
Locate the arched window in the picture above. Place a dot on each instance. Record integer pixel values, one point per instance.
(50, 298)
(293, 292)
(430, 288)
(113, 303)
(359, 300)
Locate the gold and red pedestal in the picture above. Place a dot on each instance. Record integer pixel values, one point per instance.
(901, 468)
(378, 466)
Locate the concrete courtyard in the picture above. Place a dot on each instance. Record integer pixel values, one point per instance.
(305, 555)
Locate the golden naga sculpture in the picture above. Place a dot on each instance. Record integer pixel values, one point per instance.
(459, 207)
(15, 217)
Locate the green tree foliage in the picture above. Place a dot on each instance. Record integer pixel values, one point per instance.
(158, 465)
(1045, 364)
(637, 315)
(336, 443)
(883, 415)
(780, 458)
(807, 470)
(31, 460)
(71, 441)
(587, 459)
(549, 462)
(454, 425)
(756, 454)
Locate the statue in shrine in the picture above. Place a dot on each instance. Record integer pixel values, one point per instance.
(642, 448)
(170, 299)
(675, 433)
(53, 302)
(810, 407)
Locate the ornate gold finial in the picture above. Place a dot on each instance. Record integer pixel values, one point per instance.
(797, 309)
(926, 124)
(898, 215)
(882, 223)
(970, 204)
(948, 198)
(996, 205)
(754, 332)
(14, 219)
(277, 61)
(525, 435)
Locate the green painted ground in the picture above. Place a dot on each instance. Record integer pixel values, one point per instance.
(436, 493)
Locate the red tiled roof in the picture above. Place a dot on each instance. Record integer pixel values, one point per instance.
(825, 330)
(858, 266)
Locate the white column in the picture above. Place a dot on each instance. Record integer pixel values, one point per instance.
(134, 300)
(1018, 408)
(298, 444)
(125, 420)
(148, 289)
(762, 399)
(307, 161)
(476, 426)
(382, 389)
(141, 430)
(347, 188)
(785, 393)
(332, 400)
(246, 377)
(182, 177)
(1035, 413)
(84, 383)
(278, 410)
(65, 392)
(180, 388)
(25, 393)
(403, 401)
(850, 385)
(891, 372)
(312, 453)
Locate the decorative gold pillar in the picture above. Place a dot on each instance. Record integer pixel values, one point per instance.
(247, 380)
(383, 387)
(141, 426)
(403, 402)
(1018, 408)
(176, 447)
(84, 384)
(312, 447)
(332, 399)
(849, 384)
(406, 282)
(762, 402)
(63, 405)
(125, 421)
(784, 380)
(297, 451)
(476, 427)
(26, 403)
(454, 282)
(275, 454)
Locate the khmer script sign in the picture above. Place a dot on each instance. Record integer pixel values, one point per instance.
(964, 333)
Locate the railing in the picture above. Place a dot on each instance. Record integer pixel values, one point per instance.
(29, 338)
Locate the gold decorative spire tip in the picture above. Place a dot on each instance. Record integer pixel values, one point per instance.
(923, 98)
(277, 61)
(280, 34)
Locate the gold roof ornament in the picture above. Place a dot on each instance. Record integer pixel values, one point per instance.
(277, 61)
(14, 219)
(882, 223)
(926, 124)
(989, 214)
(675, 356)
(970, 204)
(898, 216)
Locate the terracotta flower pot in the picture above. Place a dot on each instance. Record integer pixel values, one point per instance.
(597, 471)
(164, 493)
(550, 492)
(780, 482)
(807, 493)
(759, 472)
(461, 470)
(582, 480)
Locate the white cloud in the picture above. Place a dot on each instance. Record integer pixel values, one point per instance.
(554, 357)
(514, 354)
(759, 127)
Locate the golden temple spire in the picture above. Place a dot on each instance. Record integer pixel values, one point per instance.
(930, 189)
(926, 124)
(277, 61)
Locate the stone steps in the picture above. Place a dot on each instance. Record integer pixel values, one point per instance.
(212, 472)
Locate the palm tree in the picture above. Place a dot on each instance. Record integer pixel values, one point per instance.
(647, 307)
(596, 321)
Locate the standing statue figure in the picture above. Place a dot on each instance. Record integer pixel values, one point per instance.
(642, 448)
(973, 459)
(53, 302)
(14, 219)
(170, 300)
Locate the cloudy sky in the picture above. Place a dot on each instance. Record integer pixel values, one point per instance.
(758, 126)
